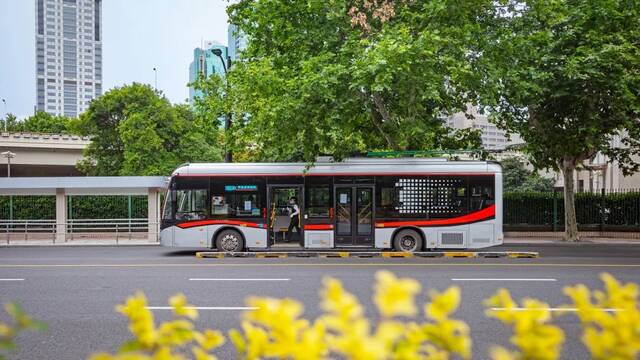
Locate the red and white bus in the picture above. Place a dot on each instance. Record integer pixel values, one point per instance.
(406, 204)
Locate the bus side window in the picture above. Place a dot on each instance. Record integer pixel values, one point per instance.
(319, 201)
(482, 192)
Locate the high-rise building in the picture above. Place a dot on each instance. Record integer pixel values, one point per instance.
(205, 63)
(237, 41)
(68, 55)
(492, 137)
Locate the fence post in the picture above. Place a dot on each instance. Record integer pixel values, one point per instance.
(602, 212)
(11, 207)
(555, 210)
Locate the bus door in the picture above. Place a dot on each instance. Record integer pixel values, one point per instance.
(279, 210)
(353, 215)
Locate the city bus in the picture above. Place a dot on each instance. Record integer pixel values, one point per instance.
(404, 204)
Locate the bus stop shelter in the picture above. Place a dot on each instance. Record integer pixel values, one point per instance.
(61, 187)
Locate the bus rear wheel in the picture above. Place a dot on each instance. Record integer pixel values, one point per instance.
(407, 240)
(229, 241)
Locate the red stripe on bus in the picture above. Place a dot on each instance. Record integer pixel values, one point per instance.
(345, 174)
(191, 224)
(318, 227)
(483, 214)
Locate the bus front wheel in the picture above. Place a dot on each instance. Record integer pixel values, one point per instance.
(407, 240)
(229, 241)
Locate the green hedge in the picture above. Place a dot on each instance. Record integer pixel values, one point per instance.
(79, 207)
(106, 207)
(28, 207)
(614, 211)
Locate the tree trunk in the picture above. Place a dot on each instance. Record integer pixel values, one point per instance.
(380, 115)
(570, 222)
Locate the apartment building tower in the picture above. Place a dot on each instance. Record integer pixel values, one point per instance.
(68, 55)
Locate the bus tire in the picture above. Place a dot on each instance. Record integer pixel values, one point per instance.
(229, 241)
(407, 240)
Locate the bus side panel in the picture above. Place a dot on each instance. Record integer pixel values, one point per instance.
(318, 239)
(498, 234)
(166, 236)
(482, 234)
(191, 237)
(254, 237)
(383, 238)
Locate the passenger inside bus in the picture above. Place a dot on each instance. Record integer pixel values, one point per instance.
(284, 203)
(294, 218)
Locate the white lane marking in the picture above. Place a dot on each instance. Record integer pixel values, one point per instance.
(229, 279)
(550, 309)
(11, 279)
(495, 279)
(204, 307)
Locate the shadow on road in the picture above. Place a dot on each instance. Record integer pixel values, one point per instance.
(180, 253)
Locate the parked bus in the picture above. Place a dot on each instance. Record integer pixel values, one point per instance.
(406, 204)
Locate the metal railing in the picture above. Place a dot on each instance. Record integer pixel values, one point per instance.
(102, 230)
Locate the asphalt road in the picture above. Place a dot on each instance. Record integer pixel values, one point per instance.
(75, 289)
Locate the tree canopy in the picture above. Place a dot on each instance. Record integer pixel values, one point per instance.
(517, 178)
(315, 78)
(40, 122)
(565, 75)
(137, 131)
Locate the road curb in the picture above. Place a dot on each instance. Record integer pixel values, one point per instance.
(369, 254)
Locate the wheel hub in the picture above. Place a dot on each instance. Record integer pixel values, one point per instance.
(408, 243)
(229, 242)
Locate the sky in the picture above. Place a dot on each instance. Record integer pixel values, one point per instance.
(138, 35)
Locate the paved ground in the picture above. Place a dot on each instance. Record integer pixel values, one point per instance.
(75, 289)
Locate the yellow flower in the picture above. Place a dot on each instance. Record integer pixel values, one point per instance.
(500, 353)
(394, 296)
(443, 304)
(338, 301)
(209, 339)
(609, 334)
(181, 307)
(200, 354)
(534, 337)
(141, 323)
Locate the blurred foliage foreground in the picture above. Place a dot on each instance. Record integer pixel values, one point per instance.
(610, 321)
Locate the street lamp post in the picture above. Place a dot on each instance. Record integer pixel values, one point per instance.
(6, 115)
(226, 64)
(155, 79)
(9, 155)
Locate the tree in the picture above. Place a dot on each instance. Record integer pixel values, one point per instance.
(565, 75)
(313, 81)
(40, 122)
(516, 177)
(11, 122)
(137, 131)
(43, 122)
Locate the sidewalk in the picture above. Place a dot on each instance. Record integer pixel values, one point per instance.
(85, 242)
(557, 240)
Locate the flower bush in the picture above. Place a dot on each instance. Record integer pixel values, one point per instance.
(20, 322)
(276, 328)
